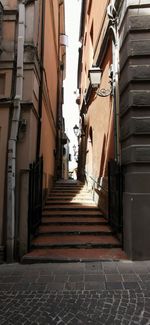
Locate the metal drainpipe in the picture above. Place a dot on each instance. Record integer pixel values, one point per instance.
(117, 101)
(11, 172)
(115, 54)
(115, 62)
(41, 81)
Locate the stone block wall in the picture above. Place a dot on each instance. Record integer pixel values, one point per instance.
(135, 126)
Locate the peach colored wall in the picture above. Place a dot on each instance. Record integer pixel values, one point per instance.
(47, 145)
(26, 146)
(51, 55)
(8, 40)
(100, 118)
(100, 9)
(31, 84)
(28, 85)
(98, 18)
(51, 83)
(100, 110)
(55, 11)
(29, 33)
(49, 104)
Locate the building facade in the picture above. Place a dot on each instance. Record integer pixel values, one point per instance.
(115, 134)
(32, 69)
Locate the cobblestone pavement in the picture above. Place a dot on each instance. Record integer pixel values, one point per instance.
(75, 293)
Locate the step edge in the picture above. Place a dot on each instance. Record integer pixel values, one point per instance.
(77, 246)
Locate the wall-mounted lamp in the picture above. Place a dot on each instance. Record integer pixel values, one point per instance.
(63, 39)
(95, 74)
(76, 130)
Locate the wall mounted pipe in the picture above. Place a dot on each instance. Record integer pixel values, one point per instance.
(11, 172)
(112, 13)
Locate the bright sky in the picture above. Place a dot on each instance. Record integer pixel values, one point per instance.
(70, 108)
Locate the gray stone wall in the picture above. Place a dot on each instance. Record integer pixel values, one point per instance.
(135, 126)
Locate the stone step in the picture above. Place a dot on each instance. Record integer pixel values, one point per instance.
(70, 190)
(75, 241)
(69, 193)
(73, 220)
(73, 229)
(72, 202)
(74, 255)
(78, 229)
(75, 184)
(69, 187)
(79, 213)
(69, 198)
(70, 207)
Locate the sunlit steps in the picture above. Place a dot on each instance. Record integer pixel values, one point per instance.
(73, 229)
(70, 207)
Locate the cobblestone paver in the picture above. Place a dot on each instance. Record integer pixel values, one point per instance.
(77, 293)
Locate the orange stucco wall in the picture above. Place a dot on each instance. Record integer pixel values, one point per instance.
(98, 111)
(49, 106)
(100, 120)
(99, 114)
(51, 52)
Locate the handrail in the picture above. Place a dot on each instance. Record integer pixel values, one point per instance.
(96, 182)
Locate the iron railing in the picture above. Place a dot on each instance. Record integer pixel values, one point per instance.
(115, 196)
(94, 182)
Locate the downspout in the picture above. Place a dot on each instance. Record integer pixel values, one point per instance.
(115, 54)
(11, 172)
(115, 77)
(41, 82)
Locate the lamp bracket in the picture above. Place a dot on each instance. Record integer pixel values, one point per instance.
(104, 92)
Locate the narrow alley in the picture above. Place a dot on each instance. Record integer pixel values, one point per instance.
(74, 111)
(74, 162)
(73, 229)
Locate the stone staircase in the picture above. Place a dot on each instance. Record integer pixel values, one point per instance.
(73, 229)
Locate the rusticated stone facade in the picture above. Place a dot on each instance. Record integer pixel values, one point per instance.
(135, 125)
(118, 127)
